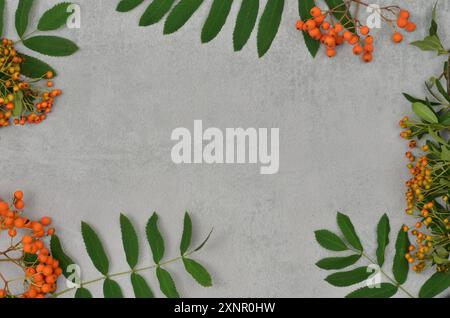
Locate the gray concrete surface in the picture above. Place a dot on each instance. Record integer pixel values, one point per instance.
(106, 148)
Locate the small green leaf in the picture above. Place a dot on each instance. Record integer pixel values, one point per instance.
(442, 90)
(35, 68)
(269, 25)
(111, 289)
(59, 254)
(330, 241)
(343, 279)
(30, 259)
(401, 265)
(51, 45)
(245, 23)
(425, 113)
(386, 290)
(383, 230)
(348, 230)
(341, 13)
(55, 18)
(128, 5)
(155, 12)
(2, 16)
(22, 16)
(180, 14)
(434, 25)
(337, 262)
(413, 99)
(435, 285)
(140, 287)
(445, 154)
(430, 43)
(198, 272)
(155, 238)
(304, 8)
(18, 104)
(220, 9)
(95, 248)
(83, 293)
(436, 136)
(166, 283)
(187, 234)
(129, 240)
(444, 119)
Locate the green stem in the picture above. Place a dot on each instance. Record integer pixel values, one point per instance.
(89, 282)
(399, 286)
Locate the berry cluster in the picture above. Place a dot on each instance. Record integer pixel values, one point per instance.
(22, 100)
(427, 198)
(27, 251)
(331, 33)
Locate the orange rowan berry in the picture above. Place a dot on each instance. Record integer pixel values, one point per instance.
(4, 206)
(367, 57)
(330, 42)
(19, 204)
(397, 37)
(19, 223)
(30, 271)
(315, 33)
(49, 75)
(42, 258)
(32, 293)
(411, 27)
(3, 293)
(315, 12)
(320, 19)
(309, 25)
(37, 227)
(12, 232)
(326, 25)
(18, 195)
(404, 14)
(368, 48)
(338, 27)
(46, 221)
(402, 23)
(348, 35)
(364, 30)
(28, 248)
(331, 52)
(48, 270)
(357, 49)
(46, 288)
(51, 231)
(27, 239)
(354, 40)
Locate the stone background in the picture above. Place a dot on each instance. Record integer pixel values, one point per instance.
(106, 148)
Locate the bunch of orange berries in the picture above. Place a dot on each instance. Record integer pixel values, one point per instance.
(22, 101)
(333, 34)
(27, 251)
(426, 199)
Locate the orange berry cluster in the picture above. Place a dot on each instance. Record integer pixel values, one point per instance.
(27, 251)
(22, 101)
(426, 199)
(333, 34)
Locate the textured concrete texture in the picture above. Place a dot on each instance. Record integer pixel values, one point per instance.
(106, 148)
